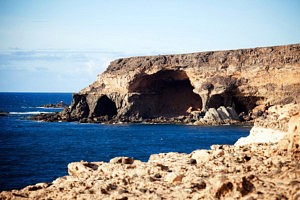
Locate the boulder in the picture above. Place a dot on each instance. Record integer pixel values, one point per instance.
(201, 156)
(122, 160)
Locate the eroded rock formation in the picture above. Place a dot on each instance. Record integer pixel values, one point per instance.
(182, 88)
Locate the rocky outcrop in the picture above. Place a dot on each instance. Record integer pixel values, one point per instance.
(252, 171)
(272, 125)
(60, 104)
(199, 88)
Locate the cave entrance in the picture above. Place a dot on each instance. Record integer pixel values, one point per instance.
(105, 106)
(215, 101)
(246, 103)
(239, 103)
(166, 93)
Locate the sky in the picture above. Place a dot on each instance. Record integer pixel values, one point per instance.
(61, 45)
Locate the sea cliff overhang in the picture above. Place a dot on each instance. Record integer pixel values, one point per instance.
(199, 88)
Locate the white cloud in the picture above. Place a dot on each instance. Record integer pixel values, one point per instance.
(64, 70)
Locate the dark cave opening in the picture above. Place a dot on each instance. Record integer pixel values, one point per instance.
(245, 103)
(215, 101)
(105, 106)
(239, 103)
(166, 93)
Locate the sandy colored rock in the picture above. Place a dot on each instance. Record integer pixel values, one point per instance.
(168, 88)
(201, 156)
(174, 178)
(273, 125)
(122, 160)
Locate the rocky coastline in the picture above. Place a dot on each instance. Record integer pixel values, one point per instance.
(244, 171)
(260, 86)
(206, 88)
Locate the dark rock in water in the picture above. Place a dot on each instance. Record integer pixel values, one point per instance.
(47, 117)
(3, 113)
(60, 104)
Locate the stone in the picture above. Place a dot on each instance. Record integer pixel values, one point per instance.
(174, 178)
(201, 156)
(223, 113)
(232, 112)
(217, 153)
(122, 160)
(212, 114)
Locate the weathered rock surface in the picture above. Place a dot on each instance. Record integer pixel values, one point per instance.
(255, 171)
(272, 125)
(190, 88)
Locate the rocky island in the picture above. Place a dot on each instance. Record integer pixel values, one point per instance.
(261, 85)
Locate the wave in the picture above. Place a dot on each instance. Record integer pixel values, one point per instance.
(49, 107)
(28, 113)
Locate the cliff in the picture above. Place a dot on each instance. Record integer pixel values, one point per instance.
(201, 88)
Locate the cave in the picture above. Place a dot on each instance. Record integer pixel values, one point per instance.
(245, 103)
(215, 101)
(167, 93)
(241, 104)
(104, 107)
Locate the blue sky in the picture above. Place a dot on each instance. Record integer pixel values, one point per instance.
(61, 45)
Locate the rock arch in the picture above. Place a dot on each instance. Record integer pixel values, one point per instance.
(167, 93)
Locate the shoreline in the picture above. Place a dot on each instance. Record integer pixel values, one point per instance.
(255, 170)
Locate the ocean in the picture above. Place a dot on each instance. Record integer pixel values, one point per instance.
(33, 152)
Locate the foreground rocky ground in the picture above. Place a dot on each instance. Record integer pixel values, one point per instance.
(249, 171)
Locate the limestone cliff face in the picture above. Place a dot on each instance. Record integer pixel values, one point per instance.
(185, 84)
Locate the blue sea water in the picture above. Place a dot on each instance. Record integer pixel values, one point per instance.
(33, 152)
